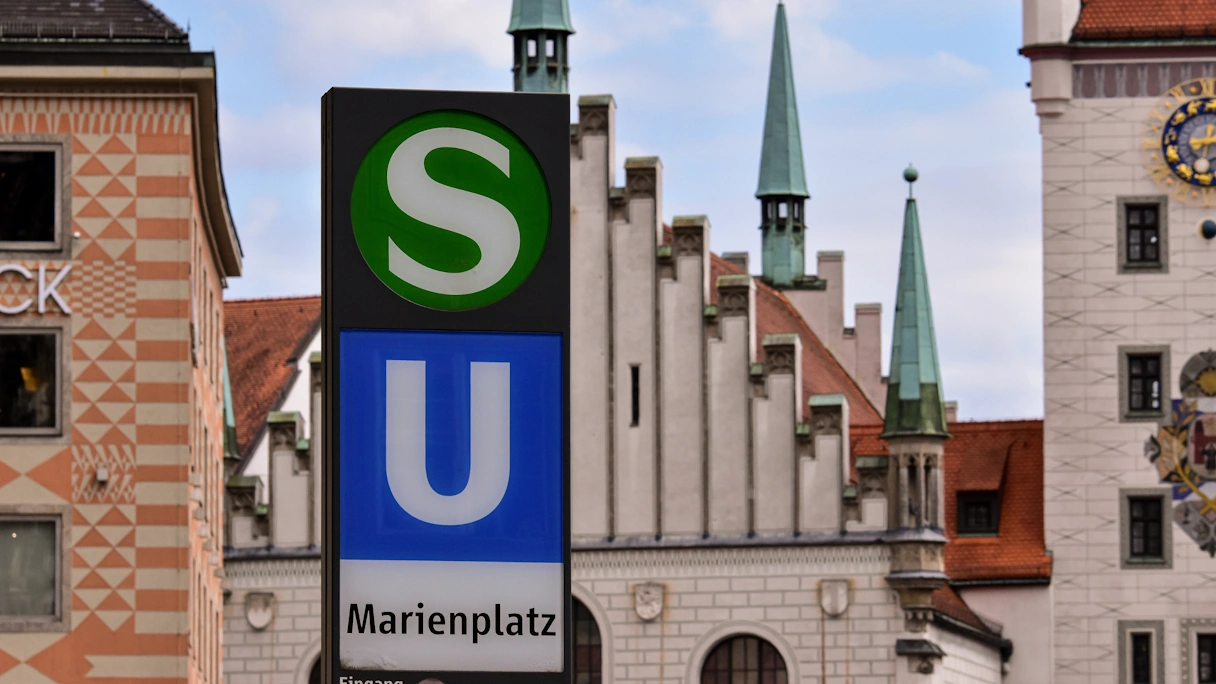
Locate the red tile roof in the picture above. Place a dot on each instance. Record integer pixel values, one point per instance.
(949, 603)
(264, 338)
(821, 372)
(1018, 552)
(1145, 19)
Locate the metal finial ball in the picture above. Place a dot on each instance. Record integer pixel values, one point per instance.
(911, 174)
(1208, 229)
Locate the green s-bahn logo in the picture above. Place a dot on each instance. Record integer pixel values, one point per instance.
(450, 210)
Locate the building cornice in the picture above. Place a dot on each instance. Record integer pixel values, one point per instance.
(716, 562)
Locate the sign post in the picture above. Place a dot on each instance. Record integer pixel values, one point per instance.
(445, 306)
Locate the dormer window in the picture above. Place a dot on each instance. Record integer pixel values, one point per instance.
(979, 513)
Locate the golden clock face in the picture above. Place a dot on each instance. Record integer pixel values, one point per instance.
(1180, 142)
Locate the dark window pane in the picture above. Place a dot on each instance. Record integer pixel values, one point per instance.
(1142, 659)
(586, 646)
(743, 660)
(1144, 382)
(27, 196)
(1144, 527)
(28, 380)
(1206, 665)
(27, 567)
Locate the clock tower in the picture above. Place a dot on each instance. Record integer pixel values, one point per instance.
(1125, 93)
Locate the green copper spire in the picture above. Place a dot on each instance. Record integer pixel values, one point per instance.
(540, 29)
(781, 170)
(914, 394)
(782, 191)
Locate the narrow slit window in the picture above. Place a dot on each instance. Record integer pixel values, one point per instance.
(1142, 658)
(552, 49)
(531, 49)
(635, 395)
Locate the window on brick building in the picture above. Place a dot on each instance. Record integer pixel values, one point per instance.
(32, 568)
(1144, 382)
(1142, 658)
(29, 381)
(588, 649)
(1205, 654)
(1143, 392)
(744, 660)
(30, 187)
(1144, 527)
(1143, 235)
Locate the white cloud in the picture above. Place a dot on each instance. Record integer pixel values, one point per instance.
(282, 137)
(329, 37)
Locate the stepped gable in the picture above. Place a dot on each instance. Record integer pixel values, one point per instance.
(821, 372)
(1104, 20)
(90, 21)
(981, 455)
(265, 338)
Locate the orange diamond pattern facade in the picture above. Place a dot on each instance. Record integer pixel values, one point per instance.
(142, 326)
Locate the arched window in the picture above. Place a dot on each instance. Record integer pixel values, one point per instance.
(587, 647)
(314, 677)
(744, 660)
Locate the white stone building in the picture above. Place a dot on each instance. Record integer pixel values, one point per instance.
(1123, 91)
(751, 499)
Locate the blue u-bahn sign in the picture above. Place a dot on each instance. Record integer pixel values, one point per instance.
(446, 325)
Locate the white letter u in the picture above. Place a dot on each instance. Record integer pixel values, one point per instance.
(489, 443)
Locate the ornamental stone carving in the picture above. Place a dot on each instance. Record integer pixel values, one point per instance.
(259, 609)
(648, 600)
(688, 241)
(640, 183)
(592, 121)
(779, 360)
(834, 597)
(824, 423)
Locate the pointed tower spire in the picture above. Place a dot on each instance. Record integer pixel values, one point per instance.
(540, 29)
(782, 189)
(914, 396)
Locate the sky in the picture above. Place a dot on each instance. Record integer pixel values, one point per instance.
(880, 83)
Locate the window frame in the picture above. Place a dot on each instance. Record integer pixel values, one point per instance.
(1126, 413)
(594, 675)
(1126, 560)
(61, 246)
(993, 498)
(1199, 638)
(1124, 265)
(1190, 631)
(1156, 630)
(727, 641)
(59, 328)
(61, 516)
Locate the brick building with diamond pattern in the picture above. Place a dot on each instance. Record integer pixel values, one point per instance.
(115, 244)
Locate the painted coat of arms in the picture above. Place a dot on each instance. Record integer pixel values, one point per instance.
(1184, 451)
